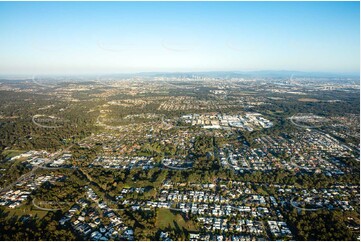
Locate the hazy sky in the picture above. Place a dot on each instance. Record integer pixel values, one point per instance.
(108, 37)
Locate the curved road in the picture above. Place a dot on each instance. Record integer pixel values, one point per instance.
(301, 126)
(44, 209)
(304, 209)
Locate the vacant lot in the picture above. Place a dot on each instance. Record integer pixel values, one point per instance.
(169, 219)
(313, 100)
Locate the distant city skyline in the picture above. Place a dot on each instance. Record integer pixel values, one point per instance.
(129, 37)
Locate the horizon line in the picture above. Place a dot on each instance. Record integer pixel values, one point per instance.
(350, 73)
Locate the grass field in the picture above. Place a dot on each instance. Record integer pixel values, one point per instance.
(12, 153)
(24, 210)
(167, 219)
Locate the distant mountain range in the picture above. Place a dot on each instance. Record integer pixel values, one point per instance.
(214, 74)
(252, 74)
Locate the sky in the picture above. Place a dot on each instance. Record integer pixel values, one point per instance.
(125, 37)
